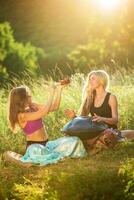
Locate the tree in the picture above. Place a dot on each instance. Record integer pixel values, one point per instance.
(15, 57)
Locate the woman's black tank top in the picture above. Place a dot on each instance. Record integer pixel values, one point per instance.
(104, 110)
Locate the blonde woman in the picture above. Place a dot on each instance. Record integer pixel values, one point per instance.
(99, 102)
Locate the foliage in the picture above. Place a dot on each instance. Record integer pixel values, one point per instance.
(16, 58)
(127, 171)
(72, 33)
(108, 175)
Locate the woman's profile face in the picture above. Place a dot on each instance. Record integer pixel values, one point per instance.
(94, 81)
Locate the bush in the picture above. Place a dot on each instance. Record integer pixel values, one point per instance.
(127, 172)
(17, 58)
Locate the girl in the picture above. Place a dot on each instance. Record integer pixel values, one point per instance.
(28, 116)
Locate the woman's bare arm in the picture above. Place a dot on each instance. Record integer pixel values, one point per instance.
(56, 102)
(42, 111)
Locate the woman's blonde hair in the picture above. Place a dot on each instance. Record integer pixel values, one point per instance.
(18, 99)
(87, 97)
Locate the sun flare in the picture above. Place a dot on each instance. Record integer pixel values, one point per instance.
(109, 4)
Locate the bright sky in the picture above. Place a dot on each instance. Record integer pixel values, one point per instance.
(109, 4)
(104, 5)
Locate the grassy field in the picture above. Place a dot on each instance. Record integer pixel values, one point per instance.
(106, 176)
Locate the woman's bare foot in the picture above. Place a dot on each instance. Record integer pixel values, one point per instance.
(11, 156)
(129, 134)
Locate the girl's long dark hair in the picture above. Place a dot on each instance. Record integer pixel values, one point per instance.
(18, 98)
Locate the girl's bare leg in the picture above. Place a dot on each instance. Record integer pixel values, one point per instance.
(129, 134)
(11, 156)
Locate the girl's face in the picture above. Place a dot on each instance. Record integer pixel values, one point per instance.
(94, 82)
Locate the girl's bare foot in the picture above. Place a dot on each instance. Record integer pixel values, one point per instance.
(129, 134)
(11, 156)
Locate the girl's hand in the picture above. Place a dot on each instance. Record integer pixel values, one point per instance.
(33, 106)
(97, 118)
(51, 88)
(64, 82)
(69, 113)
(59, 86)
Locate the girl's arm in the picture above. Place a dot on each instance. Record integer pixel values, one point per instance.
(42, 110)
(56, 102)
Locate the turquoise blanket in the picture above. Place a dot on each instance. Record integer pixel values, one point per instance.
(54, 151)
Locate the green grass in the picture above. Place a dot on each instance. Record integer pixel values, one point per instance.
(106, 176)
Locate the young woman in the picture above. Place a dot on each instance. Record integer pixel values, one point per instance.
(100, 103)
(28, 116)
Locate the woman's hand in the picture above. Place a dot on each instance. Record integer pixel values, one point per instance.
(51, 89)
(33, 106)
(64, 81)
(97, 118)
(59, 86)
(70, 113)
